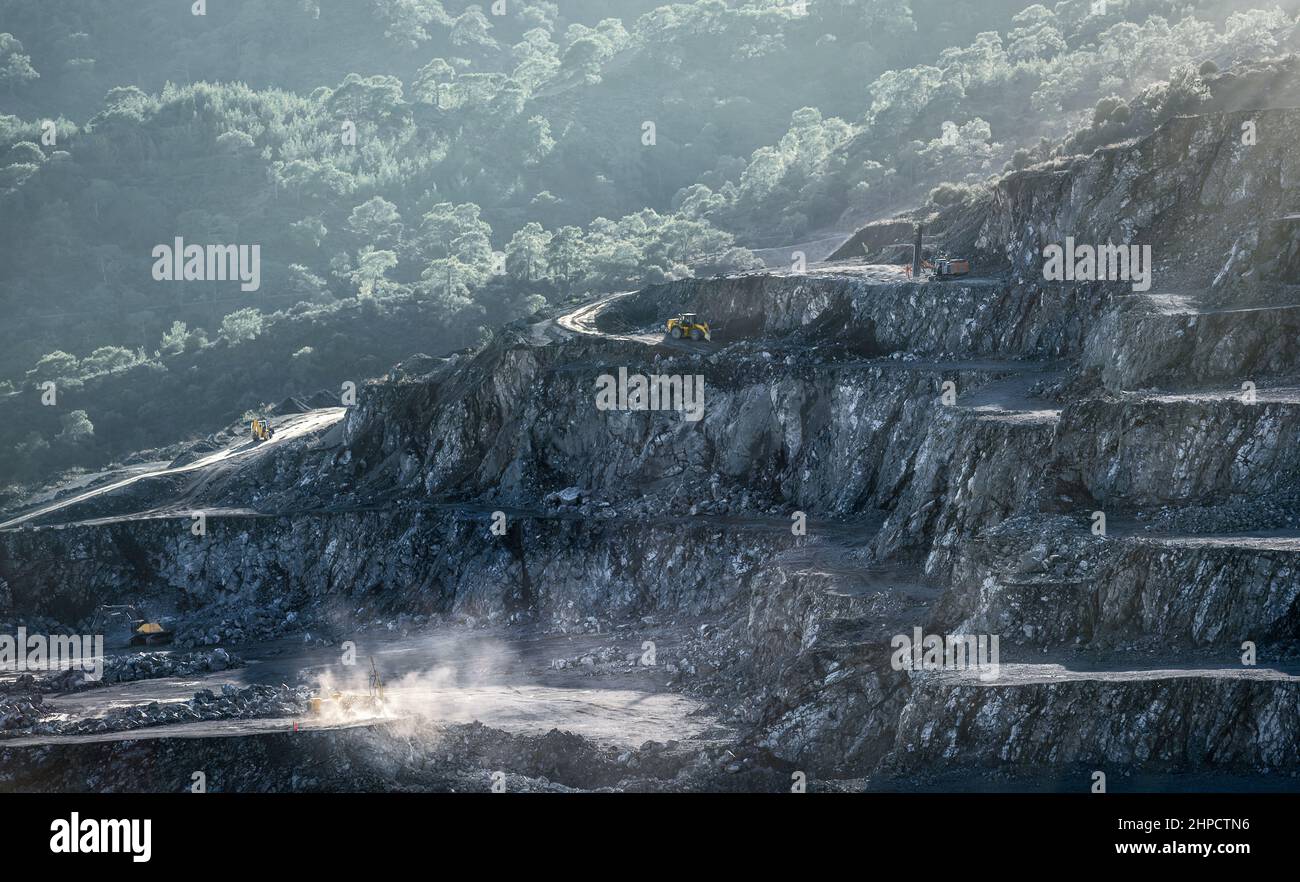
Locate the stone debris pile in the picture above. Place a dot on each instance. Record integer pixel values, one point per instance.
(232, 703)
(21, 712)
(125, 669)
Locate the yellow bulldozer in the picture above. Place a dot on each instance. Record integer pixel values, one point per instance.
(687, 324)
(144, 631)
(262, 430)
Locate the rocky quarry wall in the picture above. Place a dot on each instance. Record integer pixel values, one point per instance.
(824, 395)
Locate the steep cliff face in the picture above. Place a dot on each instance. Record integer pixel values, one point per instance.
(1157, 721)
(951, 444)
(1195, 189)
(1052, 581)
(431, 561)
(1215, 447)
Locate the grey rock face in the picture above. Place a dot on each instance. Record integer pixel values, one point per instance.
(961, 509)
(1152, 722)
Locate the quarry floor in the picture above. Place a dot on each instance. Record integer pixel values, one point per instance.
(447, 676)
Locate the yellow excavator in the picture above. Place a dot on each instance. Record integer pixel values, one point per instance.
(262, 430)
(144, 631)
(687, 324)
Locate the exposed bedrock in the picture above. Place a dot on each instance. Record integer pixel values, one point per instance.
(1148, 721)
(388, 757)
(1051, 581)
(827, 697)
(1135, 453)
(969, 473)
(834, 438)
(1191, 180)
(976, 318)
(414, 560)
(1138, 347)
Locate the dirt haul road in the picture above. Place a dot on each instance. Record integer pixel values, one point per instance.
(584, 319)
(286, 429)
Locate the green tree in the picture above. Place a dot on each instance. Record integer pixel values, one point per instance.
(107, 360)
(370, 271)
(174, 340)
(565, 255)
(472, 28)
(375, 99)
(15, 65)
(241, 326)
(536, 59)
(456, 247)
(57, 365)
(405, 21)
(25, 151)
(434, 83)
(76, 427)
(526, 252)
(376, 221)
(1038, 37)
(306, 284)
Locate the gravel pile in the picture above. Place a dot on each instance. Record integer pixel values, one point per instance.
(227, 624)
(21, 712)
(1276, 512)
(125, 669)
(231, 703)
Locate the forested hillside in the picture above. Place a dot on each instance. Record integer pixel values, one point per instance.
(417, 173)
